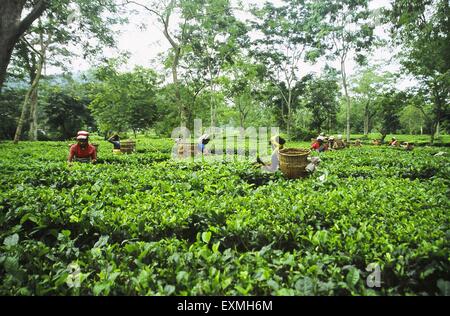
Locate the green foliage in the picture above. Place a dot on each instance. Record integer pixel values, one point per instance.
(391, 104)
(321, 99)
(142, 224)
(122, 101)
(9, 111)
(66, 112)
(423, 30)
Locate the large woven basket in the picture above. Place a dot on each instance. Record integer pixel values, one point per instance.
(293, 162)
(187, 149)
(127, 146)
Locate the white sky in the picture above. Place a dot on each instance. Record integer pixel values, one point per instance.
(144, 45)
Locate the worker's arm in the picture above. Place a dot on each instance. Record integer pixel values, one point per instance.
(258, 160)
(94, 155)
(71, 153)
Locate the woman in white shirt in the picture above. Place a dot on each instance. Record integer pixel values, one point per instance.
(277, 143)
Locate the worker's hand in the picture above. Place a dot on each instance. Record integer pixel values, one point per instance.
(94, 161)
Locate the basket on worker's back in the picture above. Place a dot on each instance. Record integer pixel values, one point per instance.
(127, 146)
(293, 162)
(187, 149)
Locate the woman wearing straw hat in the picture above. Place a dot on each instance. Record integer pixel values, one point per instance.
(339, 143)
(319, 145)
(82, 151)
(277, 143)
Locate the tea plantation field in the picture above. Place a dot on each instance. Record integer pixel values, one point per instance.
(143, 224)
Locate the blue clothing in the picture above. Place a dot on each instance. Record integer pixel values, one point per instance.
(201, 147)
(115, 143)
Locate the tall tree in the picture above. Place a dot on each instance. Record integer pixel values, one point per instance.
(344, 28)
(287, 41)
(90, 19)
(66, 110)
(367, 84)
(32, 91)
(391, 103)
(321, 98)
(412, 119)
(217, 37)
(242, 85)
(12, 27)
(177, 36)
(423, 30)
(10, 111)
(123, 101)
(51, 37)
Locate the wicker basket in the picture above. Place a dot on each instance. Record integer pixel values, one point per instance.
(293, 162)
(127, 146)
(187, 149)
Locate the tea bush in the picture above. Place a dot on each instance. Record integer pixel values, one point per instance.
(144, 224)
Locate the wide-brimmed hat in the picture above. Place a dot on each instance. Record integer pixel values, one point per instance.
(204, 137)
(82, 135)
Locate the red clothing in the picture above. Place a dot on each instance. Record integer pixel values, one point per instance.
(76, 151)
(393, 143)
(315, 146)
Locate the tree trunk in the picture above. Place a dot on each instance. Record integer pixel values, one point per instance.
(6, 49)
(344, 83)
(33, 114)
(23, 116)
(366, 124)
(438, 132)
(434, 127)
(12, 28)
(181, 107)
(28, 95)
(289, 116)
(212, 101)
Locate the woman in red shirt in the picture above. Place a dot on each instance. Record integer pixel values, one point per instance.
(82, 151)
(319, 145)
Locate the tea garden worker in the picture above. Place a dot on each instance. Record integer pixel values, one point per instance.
(319, 145)
(394, 142)
(277, 143)
(331, 143)
(339, 143)
(312, 165)
(376, 142)
(82, 151)
(202, 142)
(408, 146)
(115, 140)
